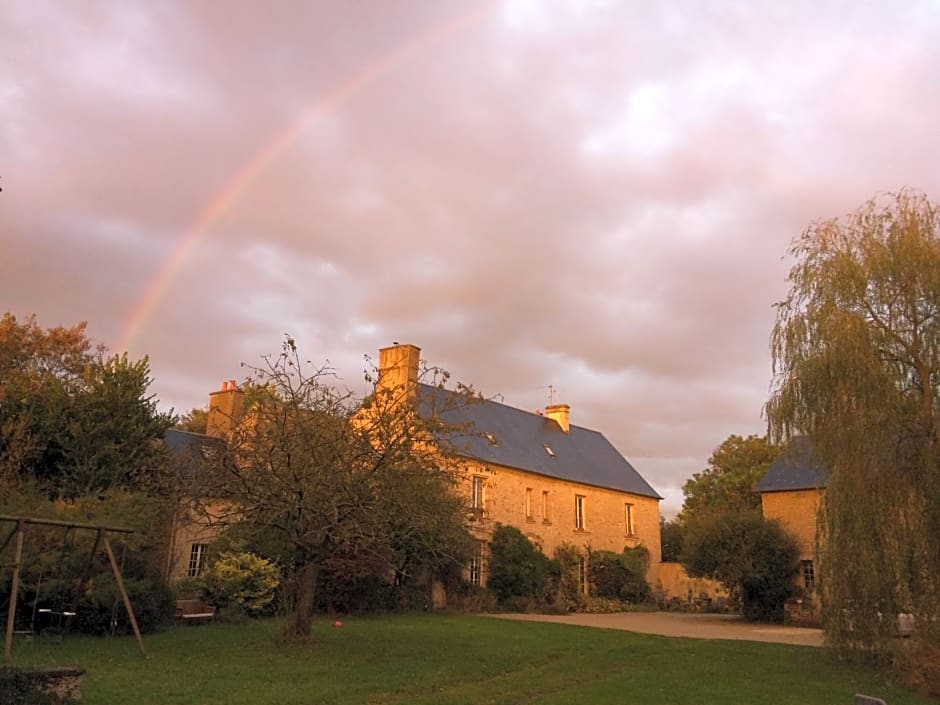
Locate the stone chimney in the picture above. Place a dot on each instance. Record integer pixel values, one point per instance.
(559, 413)
(225, 410)
(398, 369)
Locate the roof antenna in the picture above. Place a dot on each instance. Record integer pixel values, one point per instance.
(551, 393)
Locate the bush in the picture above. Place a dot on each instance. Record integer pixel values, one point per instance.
(754, 559)
(620, 576)
(566, 583)
(467, 597)
(100, 610)
(517, 567)
(242, 580)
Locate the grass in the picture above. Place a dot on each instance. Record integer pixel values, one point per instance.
(425, 659)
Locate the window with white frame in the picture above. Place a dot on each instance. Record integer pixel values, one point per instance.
(579, 512)
(809, 574)
(197, 559)
(628, 519)
(476, 492)
(476, 565)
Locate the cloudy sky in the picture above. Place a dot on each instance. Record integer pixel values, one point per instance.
(593, 195)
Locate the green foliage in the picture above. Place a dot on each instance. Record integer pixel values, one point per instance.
(72, 419)
(566, 579)
(196, 421)
(727, 484)
(65, 569)
(671, 536)
(856, 350)
(517, 567)
(243, 580)
(620, 576)
(754, 559)
(101, 611)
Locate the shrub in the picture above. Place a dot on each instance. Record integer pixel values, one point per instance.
(754, 559)
(100, 610)
(517, 567)
(619, 576)
(566, 583)
(244, 580)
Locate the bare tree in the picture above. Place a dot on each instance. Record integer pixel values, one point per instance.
(334, 476)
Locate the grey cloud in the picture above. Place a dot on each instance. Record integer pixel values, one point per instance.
(596, 196)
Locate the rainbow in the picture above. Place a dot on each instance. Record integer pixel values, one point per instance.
(246, 175)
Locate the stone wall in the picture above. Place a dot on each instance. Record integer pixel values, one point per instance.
(543, 508)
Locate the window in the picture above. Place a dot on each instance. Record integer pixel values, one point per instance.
(582, 575)
(528, 502)
(579, 512)
(476, 565)
(549, 450)
(545, 507)
(809, 574)
(197, 559)
(628, 519)
(476, 493)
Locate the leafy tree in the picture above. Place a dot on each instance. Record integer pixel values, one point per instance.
(71, 418)
(195, 421)
(332, 478)
(856, 354)
(517, 567)
(727, 484)
(671, 539)
(755, 559)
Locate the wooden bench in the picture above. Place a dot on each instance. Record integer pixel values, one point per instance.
(194, 611)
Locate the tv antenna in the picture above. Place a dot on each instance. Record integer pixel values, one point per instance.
(551, 392)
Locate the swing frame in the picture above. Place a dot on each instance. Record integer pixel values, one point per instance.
(101, 539)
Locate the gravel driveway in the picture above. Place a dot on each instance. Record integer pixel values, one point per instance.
(698, 626)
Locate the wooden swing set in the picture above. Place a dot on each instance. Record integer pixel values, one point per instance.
(101, 540)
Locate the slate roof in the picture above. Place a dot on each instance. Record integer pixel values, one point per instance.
(193, 449)
(502, 435)
(796, 469)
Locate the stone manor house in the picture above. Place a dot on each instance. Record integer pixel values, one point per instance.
(555, 481)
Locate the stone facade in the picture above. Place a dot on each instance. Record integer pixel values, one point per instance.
(545, 510)
(551, 511)
(797, 510)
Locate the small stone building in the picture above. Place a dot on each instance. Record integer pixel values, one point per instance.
(792, 492)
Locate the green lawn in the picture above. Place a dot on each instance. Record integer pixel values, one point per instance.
(450, 659)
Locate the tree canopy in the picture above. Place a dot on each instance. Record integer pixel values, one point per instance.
(72, 418)
(856, 355)
(727, 484)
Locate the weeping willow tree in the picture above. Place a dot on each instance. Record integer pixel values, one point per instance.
(856, 360)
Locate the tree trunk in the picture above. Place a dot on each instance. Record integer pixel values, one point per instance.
(299, 627)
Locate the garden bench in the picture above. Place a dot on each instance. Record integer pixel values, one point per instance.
(194, 611)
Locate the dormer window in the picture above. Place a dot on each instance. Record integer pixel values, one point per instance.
(548, 449)
(491, 438)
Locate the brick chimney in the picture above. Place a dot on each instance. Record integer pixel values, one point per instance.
(398, 369)
(225, 410)
(559, 413)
